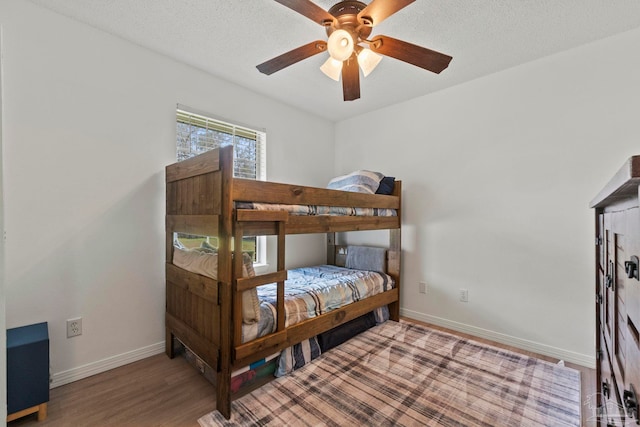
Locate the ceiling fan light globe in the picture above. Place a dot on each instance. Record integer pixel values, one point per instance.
(332, 69)
(368, 61)
(340, 45)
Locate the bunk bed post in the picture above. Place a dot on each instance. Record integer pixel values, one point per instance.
(168, 341)
(331, 248)
(395, 251)
(225, 278)
(237, 273)
(394, 270)
(280, 283)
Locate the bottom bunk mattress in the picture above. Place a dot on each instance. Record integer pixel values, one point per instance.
(312, 291)
(309, 292)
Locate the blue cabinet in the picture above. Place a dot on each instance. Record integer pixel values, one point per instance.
(27, 371)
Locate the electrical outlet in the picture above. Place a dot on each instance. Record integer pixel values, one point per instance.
(422, 287)
(464, 295)
(74, 327)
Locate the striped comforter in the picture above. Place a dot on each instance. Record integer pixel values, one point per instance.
(311, 291)
(317, 210)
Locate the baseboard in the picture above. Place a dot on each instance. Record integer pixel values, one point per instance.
(84, 371)
(536, 347)
(75, 374)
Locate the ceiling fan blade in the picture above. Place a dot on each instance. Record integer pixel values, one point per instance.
(310, 10)
(351, 78)
(296, 55)
(411, 53)
(379, 10)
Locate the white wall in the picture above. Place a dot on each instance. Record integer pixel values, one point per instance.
(497, 176)
(3, 334)
(89, 125)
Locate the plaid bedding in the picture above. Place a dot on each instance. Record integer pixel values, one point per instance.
(317, 210)
(312, 291)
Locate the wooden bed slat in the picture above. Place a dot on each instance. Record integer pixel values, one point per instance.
(273, 192)
(203, 225)
(202, 286)
(255, 346)
(206, 350)
(194, 311)
(205, 162)
(245, 215)
(298, 224)
(196, 195)
(247, 283)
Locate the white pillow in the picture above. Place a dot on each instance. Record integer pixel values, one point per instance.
(196, 262)
(250, 300)
(206, 264)
(361, 181)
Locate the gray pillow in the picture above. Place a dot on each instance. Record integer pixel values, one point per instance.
(366, 258)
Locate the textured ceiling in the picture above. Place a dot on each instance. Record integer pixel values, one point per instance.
(229, 38)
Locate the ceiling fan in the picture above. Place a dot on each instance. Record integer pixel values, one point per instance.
(348, 25)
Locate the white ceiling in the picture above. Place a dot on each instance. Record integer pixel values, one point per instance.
(228, 38)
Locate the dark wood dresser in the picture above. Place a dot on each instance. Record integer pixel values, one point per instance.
(617, 243)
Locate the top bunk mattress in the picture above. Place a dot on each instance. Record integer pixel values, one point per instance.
(362, 181)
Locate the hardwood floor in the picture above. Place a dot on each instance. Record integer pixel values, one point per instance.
(159, 391)
(156, 391)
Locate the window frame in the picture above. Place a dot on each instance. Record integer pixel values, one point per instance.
(235, 130)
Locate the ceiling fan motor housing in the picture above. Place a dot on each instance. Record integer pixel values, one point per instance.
(346, 13)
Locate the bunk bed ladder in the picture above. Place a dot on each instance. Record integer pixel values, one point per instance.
(242, 284)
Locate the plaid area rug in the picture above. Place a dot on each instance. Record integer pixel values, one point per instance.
(408, 375)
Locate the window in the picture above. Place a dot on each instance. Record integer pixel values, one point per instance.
(197, 133)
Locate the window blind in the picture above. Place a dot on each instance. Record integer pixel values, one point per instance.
(196, 133)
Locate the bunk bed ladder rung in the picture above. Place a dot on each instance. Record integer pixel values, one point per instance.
(247, 283)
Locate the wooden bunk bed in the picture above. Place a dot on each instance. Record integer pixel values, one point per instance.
(205, 314)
